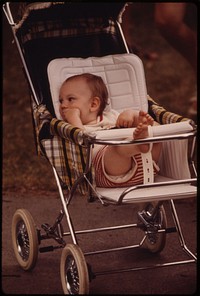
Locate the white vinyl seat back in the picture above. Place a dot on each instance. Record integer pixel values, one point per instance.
(123, 75)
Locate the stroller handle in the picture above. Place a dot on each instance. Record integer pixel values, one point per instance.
(8, 14)
(7, 11)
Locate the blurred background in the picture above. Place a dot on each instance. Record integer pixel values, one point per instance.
(170, 80)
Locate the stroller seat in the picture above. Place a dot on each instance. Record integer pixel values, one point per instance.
(124, 77)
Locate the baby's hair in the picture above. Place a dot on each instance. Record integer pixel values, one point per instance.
(97, 87)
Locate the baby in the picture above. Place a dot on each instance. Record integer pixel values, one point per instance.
(83, 99)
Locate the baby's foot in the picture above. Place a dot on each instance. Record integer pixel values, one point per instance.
(141, 131)
(144, 117)
(150, 120)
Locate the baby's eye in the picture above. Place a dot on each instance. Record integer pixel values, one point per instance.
(60, 100)
(70, 99)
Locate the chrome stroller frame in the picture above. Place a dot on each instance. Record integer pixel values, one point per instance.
(75, 272)
(151, 221)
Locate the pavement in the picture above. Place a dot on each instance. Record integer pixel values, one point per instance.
(45, 277)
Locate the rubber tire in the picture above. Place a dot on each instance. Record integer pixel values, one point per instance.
(74, 254)
(24, 216)
(159, 245)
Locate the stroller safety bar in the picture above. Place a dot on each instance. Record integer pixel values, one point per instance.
(157, 131)
(180, 130)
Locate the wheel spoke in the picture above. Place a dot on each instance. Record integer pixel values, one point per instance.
(72, 278)
(23, 245)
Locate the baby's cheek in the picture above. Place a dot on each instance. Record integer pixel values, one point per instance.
(61, 113)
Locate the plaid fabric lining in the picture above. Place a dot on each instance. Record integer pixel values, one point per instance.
(66, 130)
(69, 160)
(161, 115)
(41, 116)
(71, 27)
(62, 150)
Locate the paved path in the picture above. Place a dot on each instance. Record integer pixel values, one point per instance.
(45, 278)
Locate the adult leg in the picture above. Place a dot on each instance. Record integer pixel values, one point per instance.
(169, 18)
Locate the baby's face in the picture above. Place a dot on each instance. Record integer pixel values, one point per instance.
(76, 94)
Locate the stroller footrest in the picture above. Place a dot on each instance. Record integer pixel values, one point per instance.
(49, 249)
(170, 229)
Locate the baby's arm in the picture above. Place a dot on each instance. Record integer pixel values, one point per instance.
(72, 116)
(127, 118)
(131, 118)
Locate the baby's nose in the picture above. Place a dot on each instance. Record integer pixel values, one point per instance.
(63, 106)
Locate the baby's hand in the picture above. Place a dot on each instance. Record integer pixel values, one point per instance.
(127, 118)
(71, 115)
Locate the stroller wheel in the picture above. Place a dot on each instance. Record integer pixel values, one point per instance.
(24, 238)
(155, 241)
(73, 270)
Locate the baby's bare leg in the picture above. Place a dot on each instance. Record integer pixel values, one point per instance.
(141, 132)
(118, 160)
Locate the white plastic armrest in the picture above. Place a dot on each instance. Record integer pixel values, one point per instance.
(157, 130)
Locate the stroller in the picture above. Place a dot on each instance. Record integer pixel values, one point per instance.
(56, 40)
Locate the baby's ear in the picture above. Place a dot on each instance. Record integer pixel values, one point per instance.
(95, 104)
